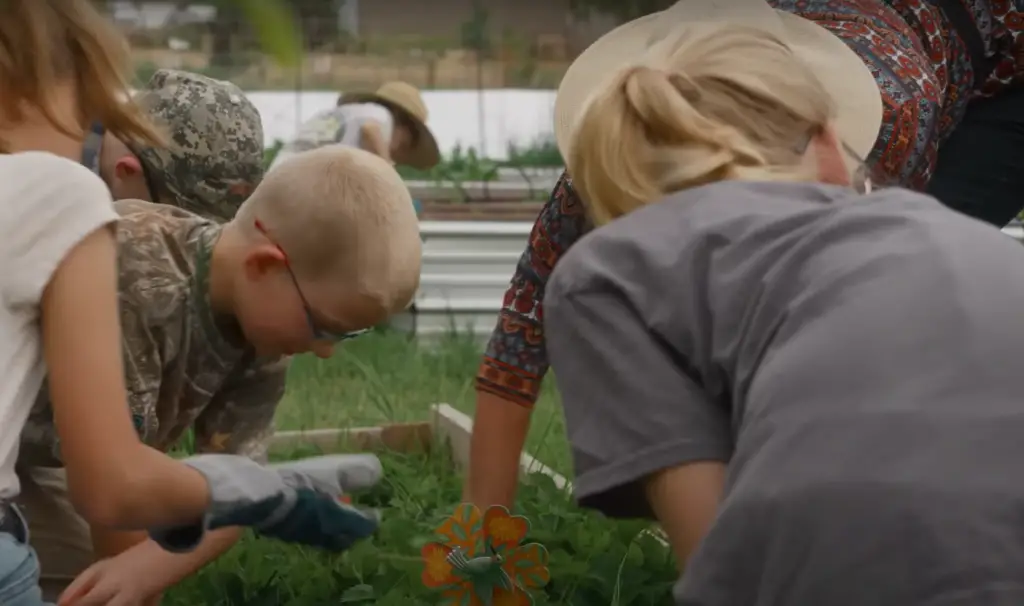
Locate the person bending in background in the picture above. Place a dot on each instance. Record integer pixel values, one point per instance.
(390, 122)
(948, 76)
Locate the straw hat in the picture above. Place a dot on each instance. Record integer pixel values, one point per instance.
(405, 98)
(855, 94)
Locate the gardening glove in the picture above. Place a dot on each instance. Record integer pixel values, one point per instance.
(297, 502)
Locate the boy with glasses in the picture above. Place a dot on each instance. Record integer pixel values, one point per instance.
(325, 247)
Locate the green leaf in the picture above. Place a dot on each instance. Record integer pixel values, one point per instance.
(359, 593)
(275, 27)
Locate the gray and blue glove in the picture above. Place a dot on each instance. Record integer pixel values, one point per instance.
(297, 502)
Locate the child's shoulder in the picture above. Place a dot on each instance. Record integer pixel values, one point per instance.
(159, 247)
(29, 179)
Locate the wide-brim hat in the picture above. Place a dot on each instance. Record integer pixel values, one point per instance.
(406, 99)
(855, 94)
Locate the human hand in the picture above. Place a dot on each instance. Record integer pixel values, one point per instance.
(122, 580)
(298, 502)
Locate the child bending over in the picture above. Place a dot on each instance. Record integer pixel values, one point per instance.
(813, 387)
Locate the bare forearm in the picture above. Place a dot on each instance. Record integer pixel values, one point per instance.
(373, 141)
(107, 543)
(146, 489)
(170, 568)
(499, 433)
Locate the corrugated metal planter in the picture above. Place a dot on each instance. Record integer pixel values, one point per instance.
(467, 265)
(447, 429)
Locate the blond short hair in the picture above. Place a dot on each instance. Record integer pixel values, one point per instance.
(708, 104)
(343, 216)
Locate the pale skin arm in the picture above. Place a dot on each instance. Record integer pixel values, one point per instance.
(372, 140)
(150, 569)
(685, 500)
(499, 434)
(238, 420)
(501, 425)
(114, 479)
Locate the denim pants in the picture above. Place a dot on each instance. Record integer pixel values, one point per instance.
(19, 568)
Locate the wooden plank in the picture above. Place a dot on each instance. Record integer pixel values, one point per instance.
(456, 427)
(400, 437)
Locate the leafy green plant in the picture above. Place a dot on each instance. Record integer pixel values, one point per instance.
(541, 153)
(270, 153)
(462, 166)
(593, 561)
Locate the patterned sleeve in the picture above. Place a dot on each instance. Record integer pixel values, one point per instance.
(239, 418)
(515, 361)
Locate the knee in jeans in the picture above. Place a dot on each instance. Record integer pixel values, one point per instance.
(19, 571)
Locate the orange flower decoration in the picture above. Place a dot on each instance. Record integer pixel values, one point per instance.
(437, 572)
(480, 560)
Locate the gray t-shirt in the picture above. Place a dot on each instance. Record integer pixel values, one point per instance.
(856, 360)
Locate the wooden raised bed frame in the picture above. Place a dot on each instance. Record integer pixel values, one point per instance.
(447, 428)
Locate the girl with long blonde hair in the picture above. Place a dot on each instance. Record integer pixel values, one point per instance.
(812, 386)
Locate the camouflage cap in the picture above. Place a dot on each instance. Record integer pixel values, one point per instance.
(215, 159)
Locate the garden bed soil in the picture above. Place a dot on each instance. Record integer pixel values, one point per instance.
(591, 560)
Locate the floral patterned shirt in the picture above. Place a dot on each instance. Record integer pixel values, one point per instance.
(926, 79)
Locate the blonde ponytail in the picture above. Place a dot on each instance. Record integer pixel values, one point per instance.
(721, 103)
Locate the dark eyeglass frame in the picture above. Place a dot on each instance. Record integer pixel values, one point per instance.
(318, 333)
(861, 177)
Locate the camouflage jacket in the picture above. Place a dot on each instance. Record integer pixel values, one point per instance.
(184, 368)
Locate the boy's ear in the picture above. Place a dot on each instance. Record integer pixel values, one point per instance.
(262, 259)
(127, 166)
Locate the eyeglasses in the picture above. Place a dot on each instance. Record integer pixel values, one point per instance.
(860, 180)
(318, 333)
(92, 146)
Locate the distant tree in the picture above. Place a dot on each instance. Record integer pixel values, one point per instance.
(623, 10)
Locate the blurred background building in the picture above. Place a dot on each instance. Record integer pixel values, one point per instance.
(349, 44)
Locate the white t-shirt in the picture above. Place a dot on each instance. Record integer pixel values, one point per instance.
(49, 204)
(341, 125)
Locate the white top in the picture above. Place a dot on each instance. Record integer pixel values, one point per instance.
(338, 125)
(49, 205)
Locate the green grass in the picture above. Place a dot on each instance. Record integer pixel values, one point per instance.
(387, 377)
(592, 561)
